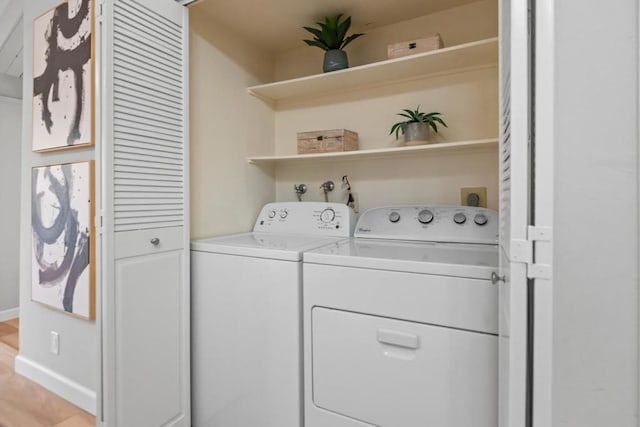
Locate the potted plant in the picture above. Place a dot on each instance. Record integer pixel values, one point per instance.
(416, 129)
(332, 38)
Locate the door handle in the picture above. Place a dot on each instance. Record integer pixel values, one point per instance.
(495, 278)
(398, 339)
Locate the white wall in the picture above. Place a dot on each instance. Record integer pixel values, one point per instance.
(74, 372)
(10, 86)
(227, 125)
(595, 279)
(10, 119)
(468, 101)
(458, 25)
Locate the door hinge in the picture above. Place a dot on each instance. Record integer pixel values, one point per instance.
(99, 7)
(99, 223)
(522, 251)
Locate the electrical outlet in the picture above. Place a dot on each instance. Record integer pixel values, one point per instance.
(55, 342)
(467, 193)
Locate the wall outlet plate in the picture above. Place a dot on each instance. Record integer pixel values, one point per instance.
(481, 192)
(55, 342)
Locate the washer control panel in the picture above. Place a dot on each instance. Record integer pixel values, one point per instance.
(319, 218)
(460, 224)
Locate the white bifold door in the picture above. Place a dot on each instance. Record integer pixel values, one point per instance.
(526, 186)
(515, 149)
(145, 323)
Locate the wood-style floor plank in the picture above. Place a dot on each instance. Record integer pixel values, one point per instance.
(11, 340)
(13, 322)
(83, 420)
(24, 403)
(6, 329)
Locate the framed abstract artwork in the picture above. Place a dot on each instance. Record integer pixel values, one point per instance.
(63, 255)
(63, 77)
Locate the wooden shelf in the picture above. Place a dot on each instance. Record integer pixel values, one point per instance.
(379, 153)
(464, 56)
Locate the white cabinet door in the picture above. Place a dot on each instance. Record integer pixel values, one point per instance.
(142, 100)
(149, 323)
(515, 145)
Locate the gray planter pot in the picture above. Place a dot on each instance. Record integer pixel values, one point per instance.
(416, 134)
(334, 60)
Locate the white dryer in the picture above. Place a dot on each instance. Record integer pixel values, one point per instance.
(401, 322)
(246, 328)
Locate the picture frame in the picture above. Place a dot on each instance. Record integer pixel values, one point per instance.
(63, 242)
(64, 77)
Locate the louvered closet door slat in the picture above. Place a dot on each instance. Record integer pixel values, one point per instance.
(131, 140)
(133, 27)
(131, 197)
(148, 112)
(140, 14)
(133, 128)
(505, 152)
(144, 89)
(143, 105)
(132, 62)
(139, 157)
(148, 120)
(154, 80)
(150, 168)
(137, 51)
(123, 93)
(159, 81)
(170, 207)
(149, 123)
(139, 177)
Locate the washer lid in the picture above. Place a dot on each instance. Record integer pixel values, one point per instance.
(287, 247)
(448, 259)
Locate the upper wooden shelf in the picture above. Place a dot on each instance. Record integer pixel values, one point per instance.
(380, 152)
(464, 56)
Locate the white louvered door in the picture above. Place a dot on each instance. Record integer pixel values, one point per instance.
(145, 214)
(514, 210)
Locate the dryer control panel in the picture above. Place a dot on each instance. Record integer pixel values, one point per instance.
(459, 224)
(316, 218)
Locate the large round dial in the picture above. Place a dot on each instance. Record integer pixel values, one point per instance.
(283, 213)
(480, 219)
(425, 216)
(459, 218)
(327, 215)
(394, 217)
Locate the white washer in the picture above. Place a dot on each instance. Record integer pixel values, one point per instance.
(246, 315)
(401, 322)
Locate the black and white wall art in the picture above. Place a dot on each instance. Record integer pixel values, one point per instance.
(63, 77)
(62, 273)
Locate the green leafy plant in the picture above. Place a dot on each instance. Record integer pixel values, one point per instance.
(417, 116)
(332, 33)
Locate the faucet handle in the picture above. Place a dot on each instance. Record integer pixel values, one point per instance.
(326, 187)
(300, 190)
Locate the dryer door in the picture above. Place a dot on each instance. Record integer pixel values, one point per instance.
(388, 372)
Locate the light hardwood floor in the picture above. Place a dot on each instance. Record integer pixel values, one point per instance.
(24, 403)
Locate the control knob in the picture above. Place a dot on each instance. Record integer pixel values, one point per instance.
(459, 218)
(283, 213)
(394, 217)
(327, 215)
(480, 219)
(272, 213)
(425, 216)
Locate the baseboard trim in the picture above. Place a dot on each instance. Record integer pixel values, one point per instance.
(70, 390)
(9, 314)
